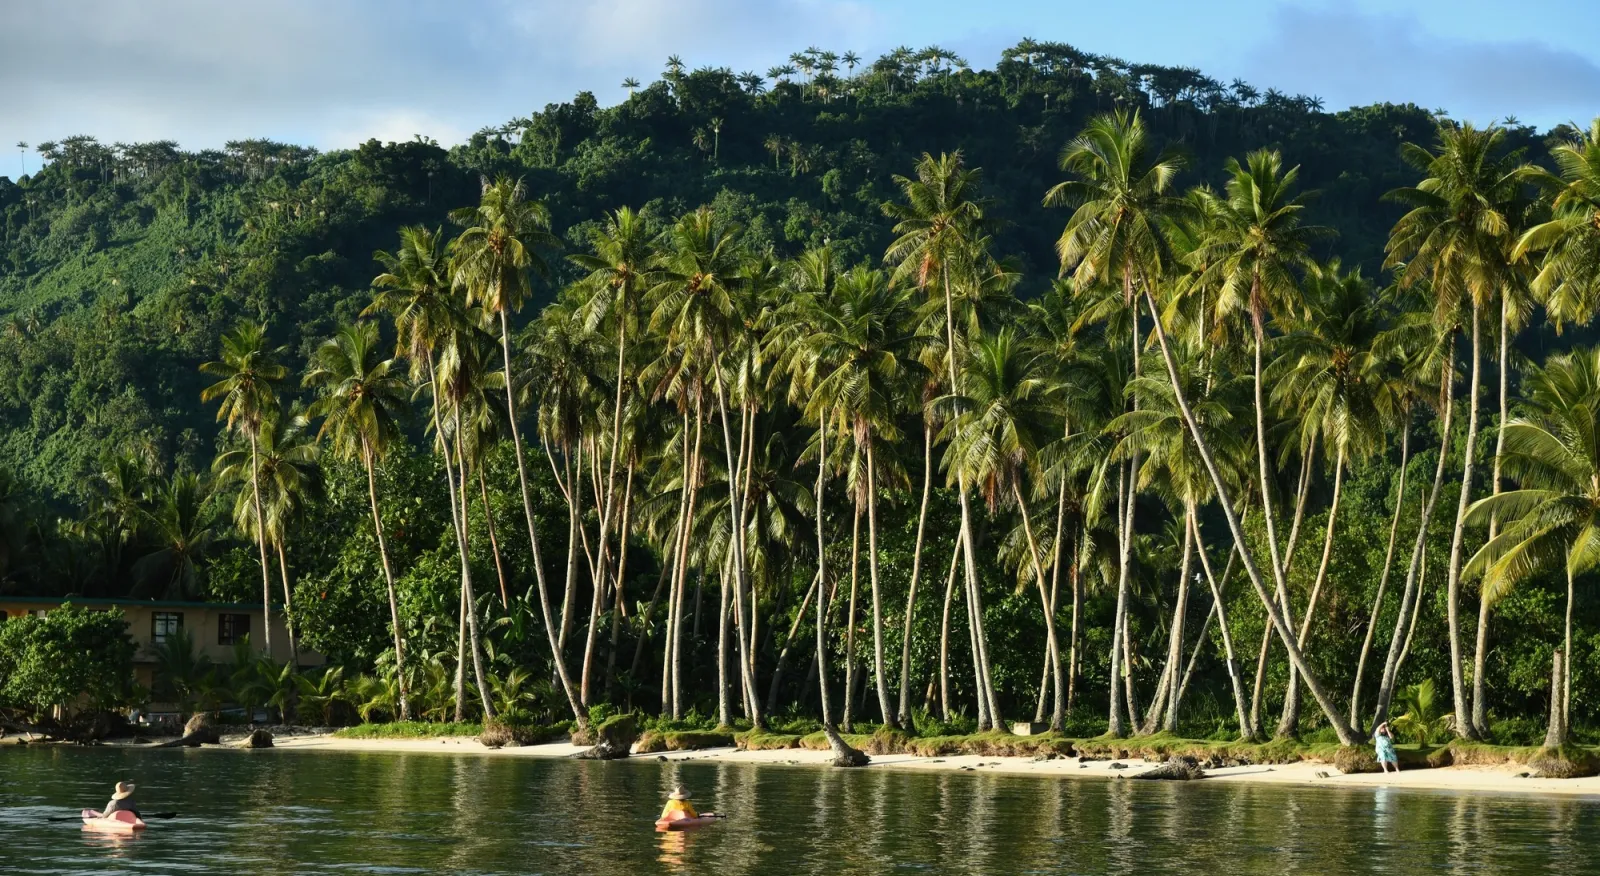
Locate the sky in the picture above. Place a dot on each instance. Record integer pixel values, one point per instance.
(333, 73)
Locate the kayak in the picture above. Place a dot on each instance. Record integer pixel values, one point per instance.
(118, 822)
(688, 823)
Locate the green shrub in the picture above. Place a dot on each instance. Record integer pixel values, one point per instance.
(409, 730)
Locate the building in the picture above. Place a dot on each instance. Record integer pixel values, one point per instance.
(214, 626)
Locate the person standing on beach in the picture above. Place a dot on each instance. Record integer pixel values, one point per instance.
(1383, 739)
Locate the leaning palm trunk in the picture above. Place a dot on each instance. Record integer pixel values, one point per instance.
(1290, 723)
(843, 754)
(468, 599)
(944, 632)
(1180, 613)
(1383, 580)
(1480, 717)
(916, 575)
(261, 545)
(683, 568)
(850, 620)
(1301, 492)
(880, 677)
(1247, 731)
(1458, 689)
(574, 494)
(388, 578)
(1057, 713)
(494, 538)
(1398, 641)
(1115, 724)
(1290, 644)
(783, 654)
(288, 610)
(578, 712)
(617, 593)
(985, 680)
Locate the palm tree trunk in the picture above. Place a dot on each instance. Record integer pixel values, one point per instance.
(1115, 725)
(916, 575)
(388, 578)
(1383, 579)
(880, 676)
(469, 600)
(1076, 578)
(1247, 731)
(1282, 594)
(985, 682)
(1290, 723)
(1261, 446)
(494, 539)
(1391, 666)
(1057, 713)
(850, 619)
(1480, 717)
(669, 549)
(1566, 649)
(1458, 689)
(578, 712)
(575, 535)
(261, 545)
(1296, 657)
(1556, 733)
(737, 533)
(288, 612)
(460, 689)
(618, 604)
(680, 533)
(944, 632)
(724, 715)
(683, 576)
(1180, 612)
(844, 755)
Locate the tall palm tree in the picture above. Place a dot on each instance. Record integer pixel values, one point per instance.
(630, 83)
(182, 530)
(1120, 199)
(361, 399)
(864, 353)
(1553, 518)
(286, 466)
(940, 241)
(500, 244)
(247, 371)
(1568, 280)
(1458, 234)
(1004, 416)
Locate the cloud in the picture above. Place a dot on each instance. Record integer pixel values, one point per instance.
(1351, 58)
(334, 73)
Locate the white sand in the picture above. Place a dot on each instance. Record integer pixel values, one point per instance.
(1492, 779)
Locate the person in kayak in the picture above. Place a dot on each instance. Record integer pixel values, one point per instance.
(678, 806)
(121, 800)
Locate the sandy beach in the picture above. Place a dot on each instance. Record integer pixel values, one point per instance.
(1500, 779)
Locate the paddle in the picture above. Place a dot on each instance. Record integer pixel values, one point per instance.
(143, 816)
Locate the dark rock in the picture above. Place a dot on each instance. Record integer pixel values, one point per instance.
(1180, 769)
(257, 739)
(1119, 766)
(200, 730)
(614, 739)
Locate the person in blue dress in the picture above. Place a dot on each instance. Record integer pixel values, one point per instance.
(1383, 739)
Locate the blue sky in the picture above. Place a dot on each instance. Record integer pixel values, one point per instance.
(332, 73)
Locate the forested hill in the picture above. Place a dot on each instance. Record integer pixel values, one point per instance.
(122, 264)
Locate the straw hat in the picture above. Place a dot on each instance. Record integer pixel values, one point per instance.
(678, 793)
(124, 791)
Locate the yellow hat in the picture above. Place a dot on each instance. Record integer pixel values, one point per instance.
(124, 791)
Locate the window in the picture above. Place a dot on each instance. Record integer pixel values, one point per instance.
(232, 628)
(37, 612)
(164, 624)
(3, 615)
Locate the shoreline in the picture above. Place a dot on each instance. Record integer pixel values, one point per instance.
(1496, 779)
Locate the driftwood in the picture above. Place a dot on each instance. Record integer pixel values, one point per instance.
(1175, 769)
(197, 732)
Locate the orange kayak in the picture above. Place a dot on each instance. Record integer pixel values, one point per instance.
(118, 822)
(688, 823)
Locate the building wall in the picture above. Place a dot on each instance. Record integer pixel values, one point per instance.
(200, 621)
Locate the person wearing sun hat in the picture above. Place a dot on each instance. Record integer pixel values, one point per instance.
(121, 800)
(678, 806)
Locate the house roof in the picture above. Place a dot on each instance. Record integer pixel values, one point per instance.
(147, 603)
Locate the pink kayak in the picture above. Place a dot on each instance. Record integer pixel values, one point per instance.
(688, 823)
(118, 822)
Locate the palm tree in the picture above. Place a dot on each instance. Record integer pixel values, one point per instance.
(22, 158)
(1553, 452)
(361, 400)
(1458, 235)
(180, 524)
(1114, 235)
(863, 354)
(1004, 416)
(285, 465)
(501, 243)
(630, 83)
(1568, 280)
(851, 59)
(247, 370)
(940, 239)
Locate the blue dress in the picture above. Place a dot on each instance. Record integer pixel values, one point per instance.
(1385, 746)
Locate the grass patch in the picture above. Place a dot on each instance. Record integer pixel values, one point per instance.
(409, 730)
(766, 740)
(657, 741)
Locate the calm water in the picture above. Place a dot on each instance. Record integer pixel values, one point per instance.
(306, 812)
